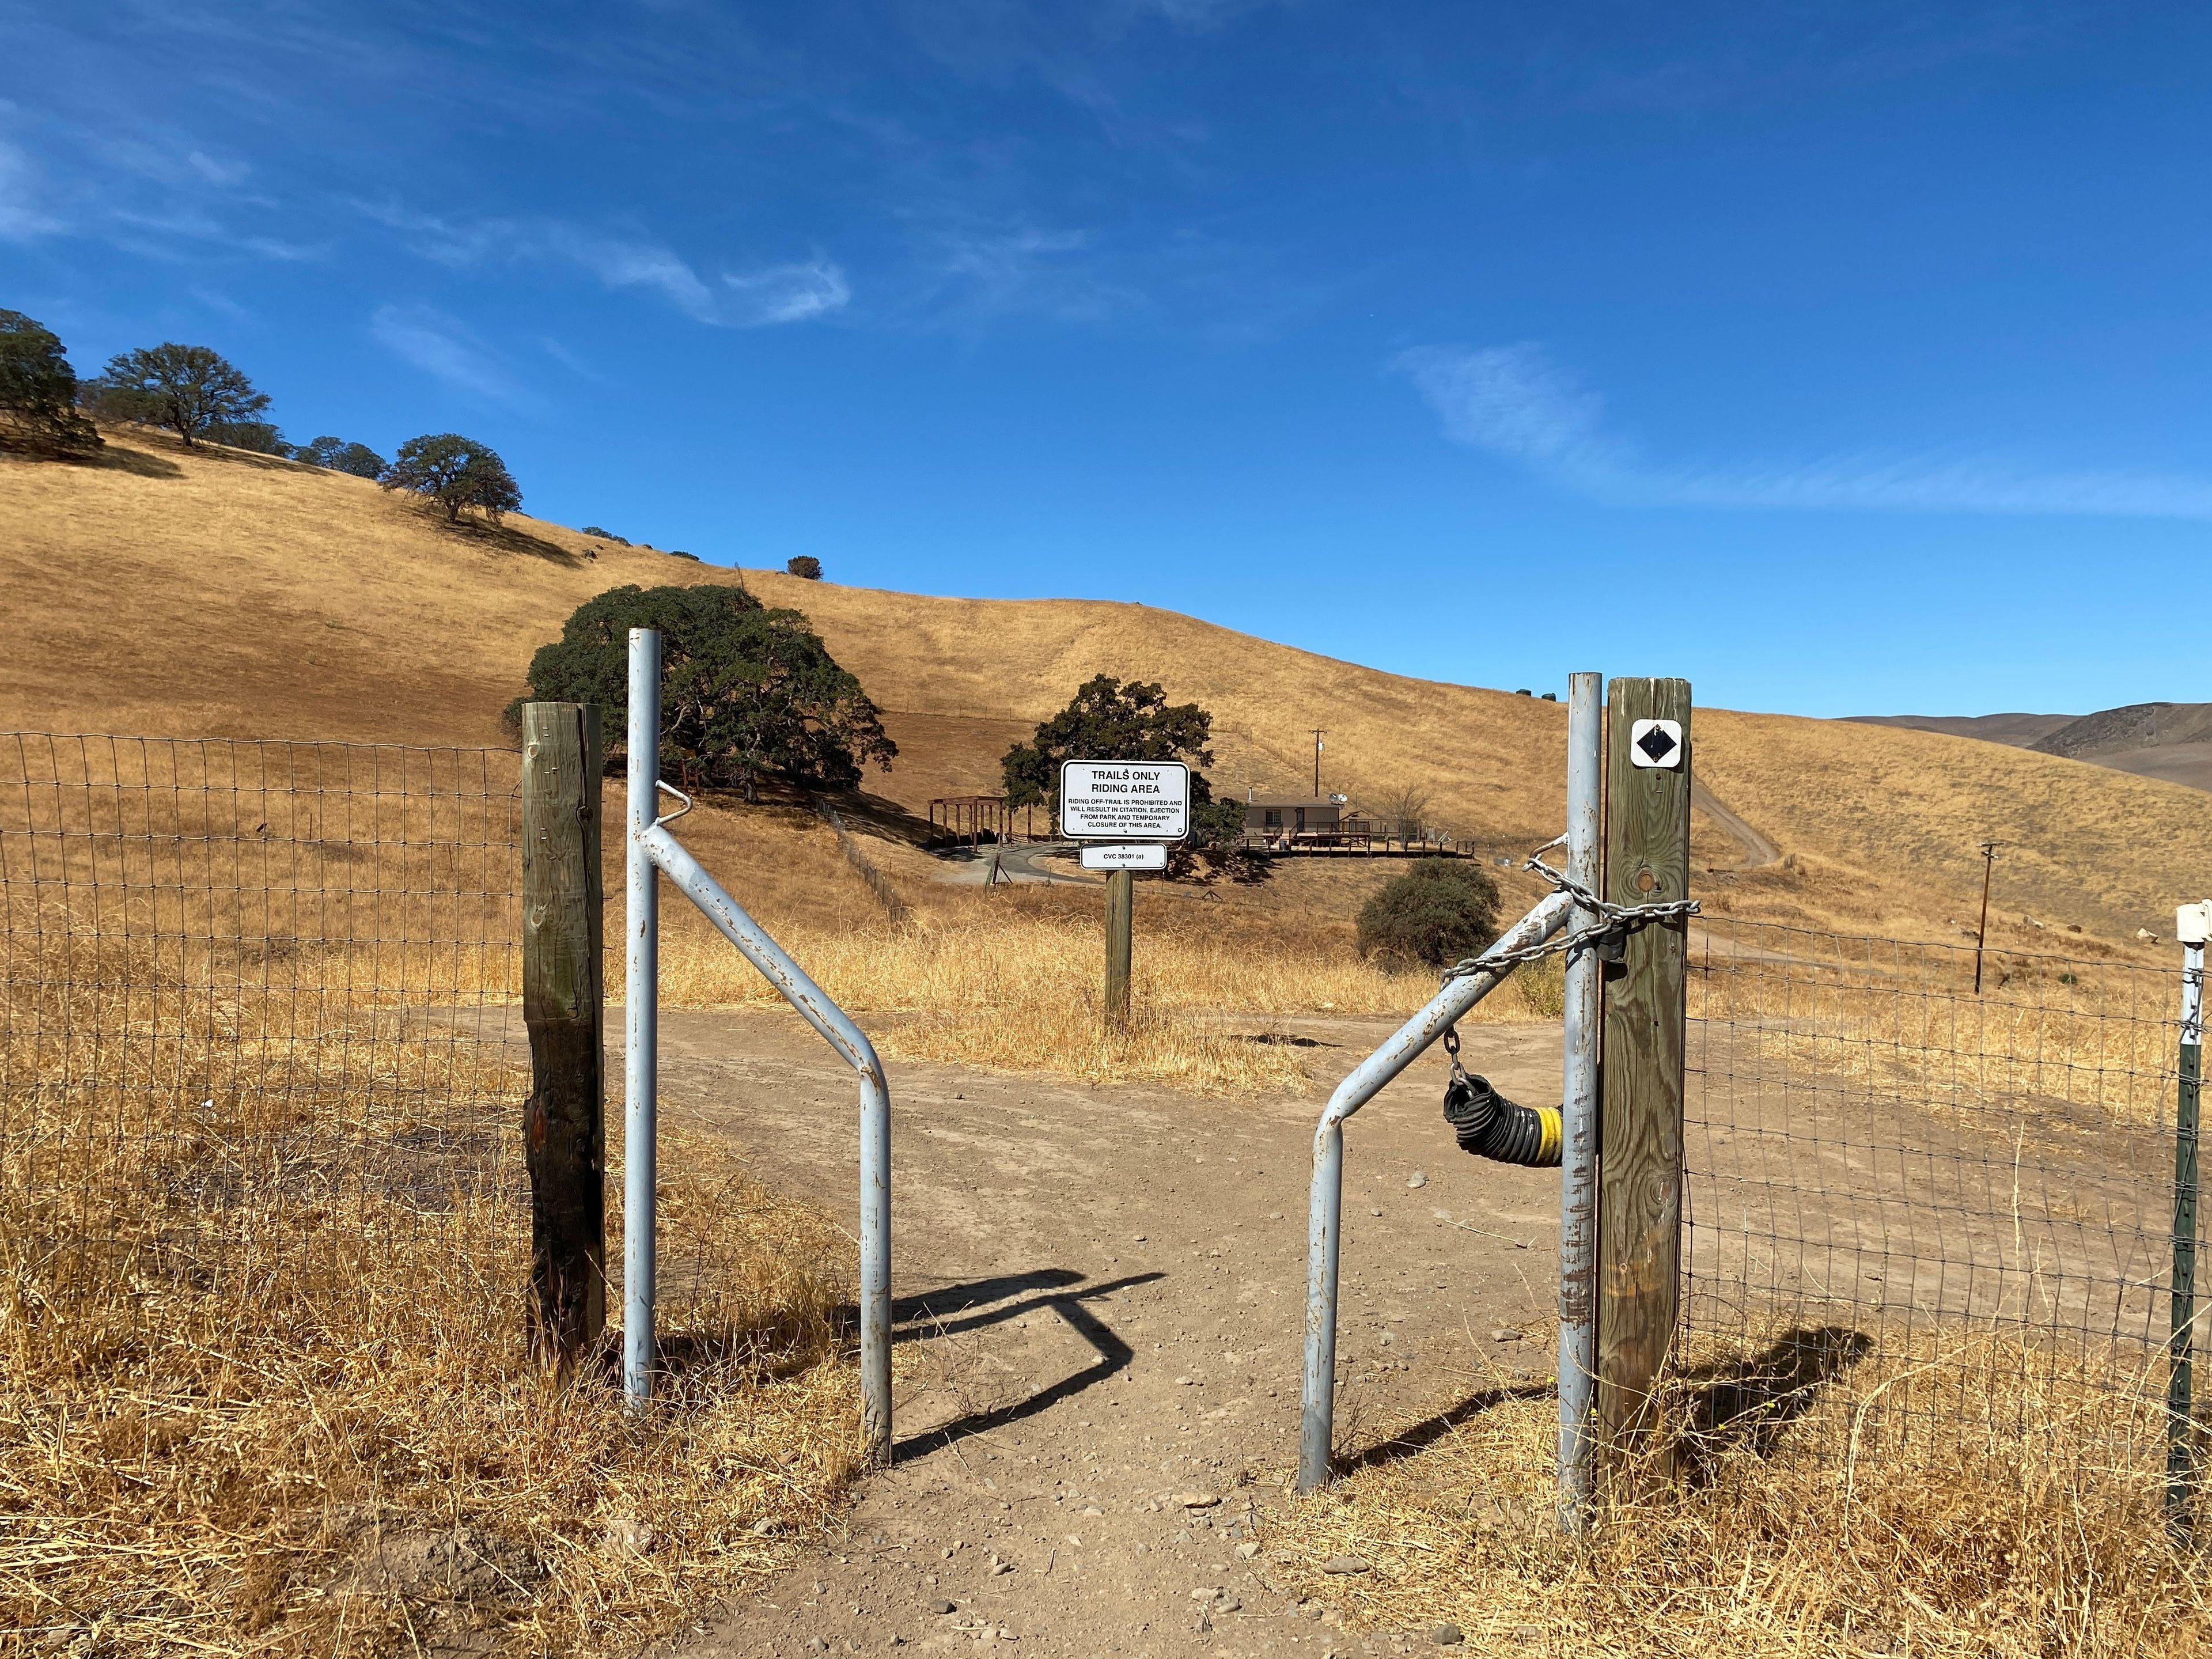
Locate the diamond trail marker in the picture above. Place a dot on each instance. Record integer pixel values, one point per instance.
(1656, 743)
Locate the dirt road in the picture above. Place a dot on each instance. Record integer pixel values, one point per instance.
(1099, 1295)
(1758, 851)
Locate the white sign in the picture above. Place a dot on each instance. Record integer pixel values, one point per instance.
(1656, 742)
(2192, 923)
(1149, 855)
(1124, 800)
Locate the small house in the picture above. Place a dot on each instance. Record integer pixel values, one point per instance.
(1293, 818)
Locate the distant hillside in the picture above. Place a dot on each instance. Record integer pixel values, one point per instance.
(2138, 726)
(223, 593)
(2170, 741)
(2019, 729)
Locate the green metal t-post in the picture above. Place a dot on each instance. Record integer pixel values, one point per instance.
(2191, 924)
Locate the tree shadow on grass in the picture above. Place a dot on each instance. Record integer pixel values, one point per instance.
(505, 538)
(110, 457)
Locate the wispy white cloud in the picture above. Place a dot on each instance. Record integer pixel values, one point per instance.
(444, 347)
(1059, 273)
(772, 295)
(1514, 402)
(785, 294)
(1193, 14)
(215, 300)
(567, 359)
(619, 263)
(23, 216)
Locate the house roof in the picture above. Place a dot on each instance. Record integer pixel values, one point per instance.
(1309, 802)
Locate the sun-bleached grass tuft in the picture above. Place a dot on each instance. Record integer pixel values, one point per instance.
(2030, 1528)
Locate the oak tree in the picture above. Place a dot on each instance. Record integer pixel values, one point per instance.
(746, 693)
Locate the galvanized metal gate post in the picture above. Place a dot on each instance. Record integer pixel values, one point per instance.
(652, 848)
(640, 1018)
(1578, 1125)
(1578, 1104)
(1326, 1209)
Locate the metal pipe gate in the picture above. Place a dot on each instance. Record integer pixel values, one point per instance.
(1578, 1133)
(651, 848)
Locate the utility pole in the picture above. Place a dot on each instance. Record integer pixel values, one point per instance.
(1316, 730)
(1982, 933)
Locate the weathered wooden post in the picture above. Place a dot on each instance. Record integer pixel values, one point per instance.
(1121, 915)
(563, 1002)
(1647, 861)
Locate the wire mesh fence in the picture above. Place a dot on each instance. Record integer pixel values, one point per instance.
(1925, 1223)
(245, 986)
(266, 1237)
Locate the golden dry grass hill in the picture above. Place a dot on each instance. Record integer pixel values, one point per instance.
(215, 593)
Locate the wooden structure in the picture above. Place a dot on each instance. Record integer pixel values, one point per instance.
(1330, 824)
(563, 1002)
(978, 820)
(1304, 822)
(1647, 861)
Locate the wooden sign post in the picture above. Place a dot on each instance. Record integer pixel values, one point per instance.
(563, 1003)
(1647, 860)
(1121, 928)
(1142, 804)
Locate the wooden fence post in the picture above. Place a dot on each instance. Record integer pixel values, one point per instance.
(563, 1003)
(1647, 860)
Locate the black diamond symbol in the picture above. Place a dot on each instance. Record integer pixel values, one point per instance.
(1656, 743)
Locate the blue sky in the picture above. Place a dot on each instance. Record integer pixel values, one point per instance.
(1845, 357)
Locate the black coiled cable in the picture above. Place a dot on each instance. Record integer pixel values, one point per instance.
(1490, 1125)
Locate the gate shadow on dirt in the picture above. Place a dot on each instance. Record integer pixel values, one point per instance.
(1430, 1430)
(1113, 1354)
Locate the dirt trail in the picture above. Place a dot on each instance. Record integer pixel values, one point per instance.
(1758, 851)
(1098, 1294)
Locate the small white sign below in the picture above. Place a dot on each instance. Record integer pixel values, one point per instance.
(1656, 742)
(1143, 855)
(1124, 800)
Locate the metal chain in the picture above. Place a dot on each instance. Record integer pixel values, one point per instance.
(1613, 919)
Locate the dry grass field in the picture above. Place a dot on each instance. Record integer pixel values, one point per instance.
(220, 593)
(263, 1384)
(2006, 1541)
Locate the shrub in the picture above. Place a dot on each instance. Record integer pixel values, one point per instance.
(1438, 912)
(337, 455)
(260, 436)
(806, 566)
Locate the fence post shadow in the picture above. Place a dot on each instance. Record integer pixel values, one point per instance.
(1747, 1403)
